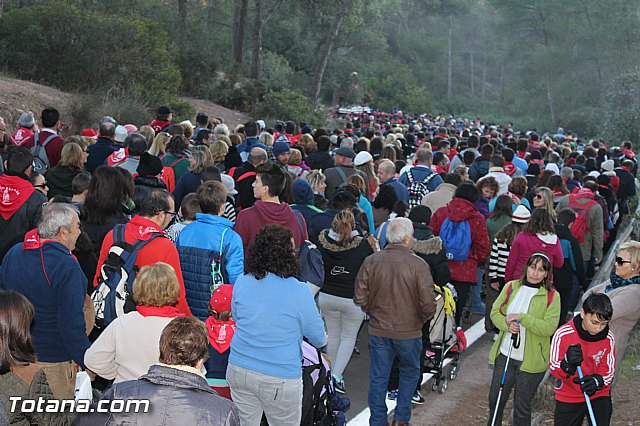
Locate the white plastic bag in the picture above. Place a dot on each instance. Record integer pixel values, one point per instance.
(83, 386)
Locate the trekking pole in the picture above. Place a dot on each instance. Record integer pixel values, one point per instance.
(514, 337)
(588, 401)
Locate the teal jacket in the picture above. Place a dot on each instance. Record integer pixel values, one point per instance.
(540, 322)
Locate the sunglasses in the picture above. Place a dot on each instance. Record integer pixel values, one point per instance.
(538, 196)
(620, 261)
(42, 185)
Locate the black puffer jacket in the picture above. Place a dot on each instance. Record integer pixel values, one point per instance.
(342, 263)
(176, 397)
(431, 249)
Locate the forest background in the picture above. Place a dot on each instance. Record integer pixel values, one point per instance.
(534, 63)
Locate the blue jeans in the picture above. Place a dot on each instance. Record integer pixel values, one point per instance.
(383, 350)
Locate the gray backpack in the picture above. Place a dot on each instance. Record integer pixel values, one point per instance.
(40, 159)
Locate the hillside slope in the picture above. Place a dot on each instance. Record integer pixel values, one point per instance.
(17, 96)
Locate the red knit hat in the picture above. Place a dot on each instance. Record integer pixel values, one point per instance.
(89, 133)
(221, 298)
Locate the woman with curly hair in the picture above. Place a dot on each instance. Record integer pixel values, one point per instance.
(273, 311)
(488, 187)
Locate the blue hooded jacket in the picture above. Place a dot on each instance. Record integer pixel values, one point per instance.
(198, 244)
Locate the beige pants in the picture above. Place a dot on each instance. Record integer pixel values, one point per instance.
(61, 377)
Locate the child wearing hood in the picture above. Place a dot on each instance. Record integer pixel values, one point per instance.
(221, 328)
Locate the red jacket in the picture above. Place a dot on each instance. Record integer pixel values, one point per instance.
(599, 358)
(524, 245)
(158, 250)
(53, 148)
(458, 210)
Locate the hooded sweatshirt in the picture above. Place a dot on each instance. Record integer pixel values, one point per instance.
(303, 198)
(250, 221)
(20, 209)
(459, 210)
(524, 245)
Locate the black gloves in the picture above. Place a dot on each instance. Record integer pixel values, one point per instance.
(572, 359)
(590, 384)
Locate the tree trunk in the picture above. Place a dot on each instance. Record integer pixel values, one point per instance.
(316, 82)
(449, 60)
(473, 85)
(211, 13)
(256, 63)
(182, 19)
(552, 106)
(239, 25)
(484, 78)
(596, 47)
(261, 21)
(502, 78)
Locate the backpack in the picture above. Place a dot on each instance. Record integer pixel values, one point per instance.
(317, 408)
(550, 295)
(40, 159)
(456, 237)
(311, 264)
(581, 225)
(418, 189)
(113, 295)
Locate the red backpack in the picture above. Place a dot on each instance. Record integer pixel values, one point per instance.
(581, 225)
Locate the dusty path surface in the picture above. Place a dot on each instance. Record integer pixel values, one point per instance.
(465, 401)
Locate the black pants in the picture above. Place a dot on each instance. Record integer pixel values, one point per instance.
(394, 376)
(567, 414)
(463, 289)
(526, 385)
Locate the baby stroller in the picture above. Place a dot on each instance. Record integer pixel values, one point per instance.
(321, 405)
(444, 339)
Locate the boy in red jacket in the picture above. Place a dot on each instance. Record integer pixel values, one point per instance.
(587, 342)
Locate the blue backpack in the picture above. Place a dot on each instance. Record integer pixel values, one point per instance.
(113, 295)
(456, 237)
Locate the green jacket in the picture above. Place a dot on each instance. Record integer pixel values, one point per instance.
(540, 322)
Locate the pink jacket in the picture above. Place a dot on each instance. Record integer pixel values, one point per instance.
(525, 245)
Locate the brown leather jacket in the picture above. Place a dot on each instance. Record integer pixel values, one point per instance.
(396, 288)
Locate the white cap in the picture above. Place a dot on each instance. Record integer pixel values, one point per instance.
(121, 134)
(362, 157)
(229, 184)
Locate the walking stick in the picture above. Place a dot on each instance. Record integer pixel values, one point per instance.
(588, 401)
(514, 338)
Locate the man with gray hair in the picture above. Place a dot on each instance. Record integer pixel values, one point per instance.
(43, 269)
(104, 146)
(26, 127)
(396, 288)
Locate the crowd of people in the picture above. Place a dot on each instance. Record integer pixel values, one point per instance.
(173, 262)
